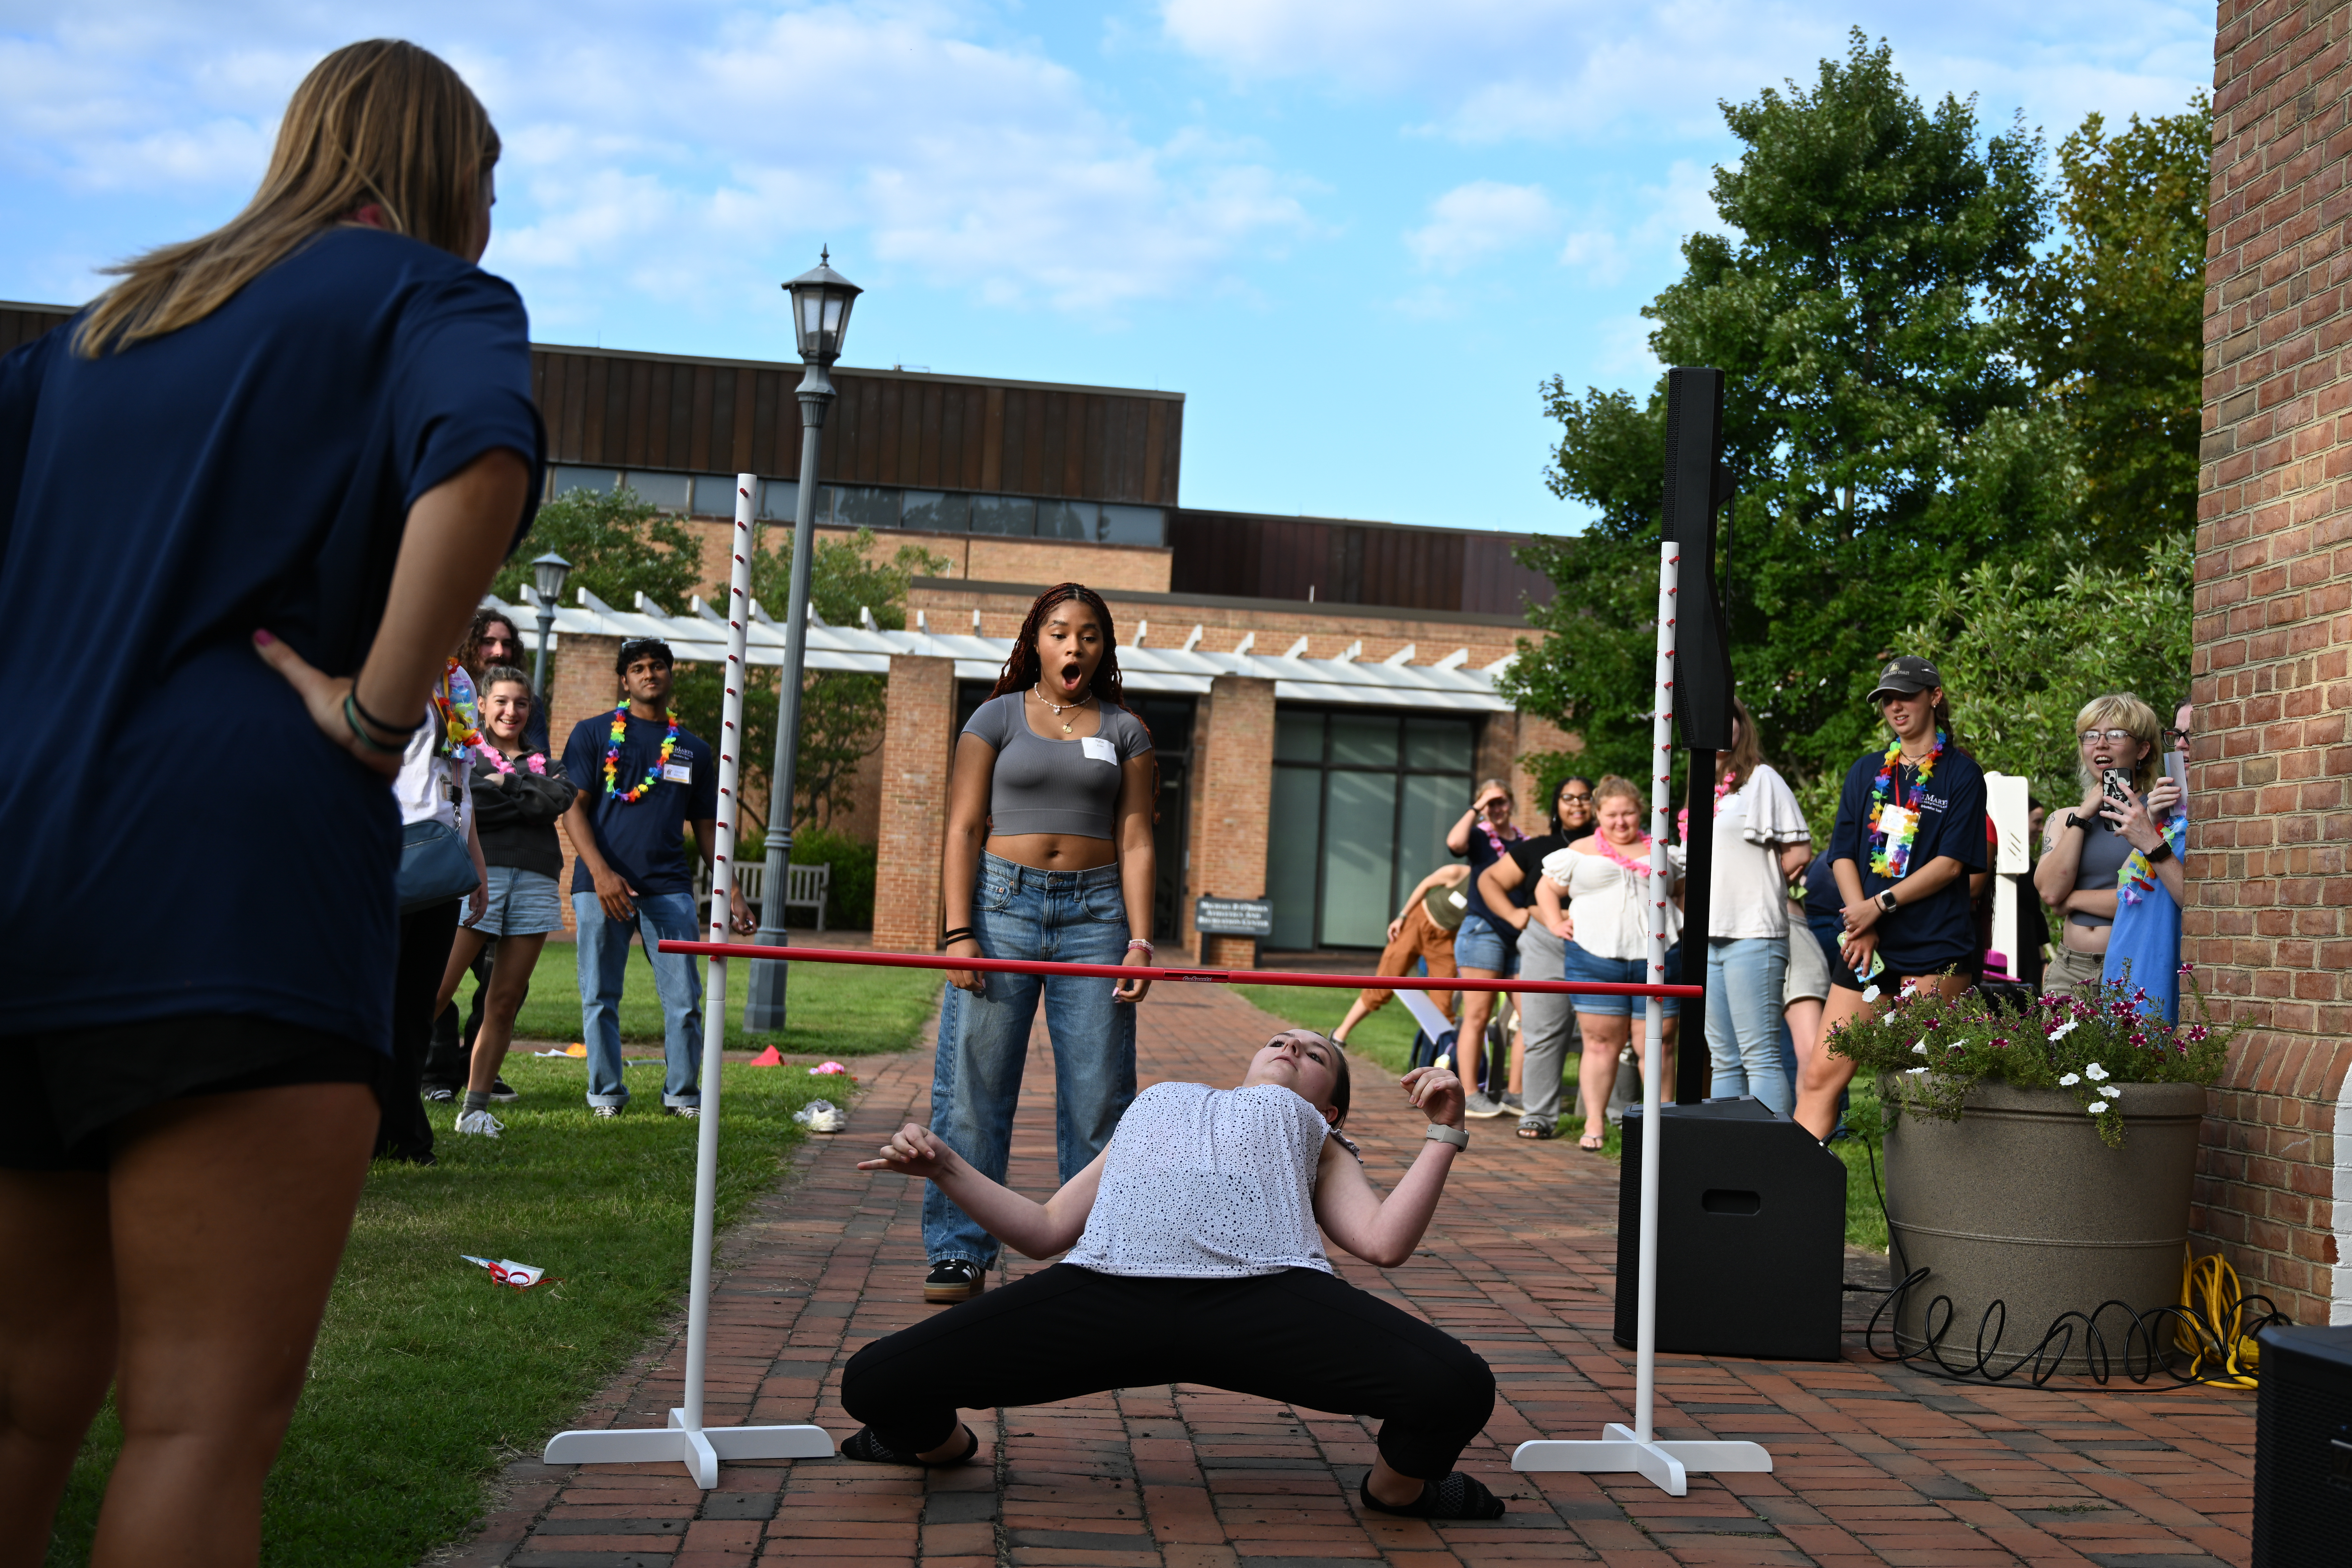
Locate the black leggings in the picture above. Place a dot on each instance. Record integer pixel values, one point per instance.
(1301, 1337)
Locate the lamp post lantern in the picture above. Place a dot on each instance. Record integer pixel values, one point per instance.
(547, 575)
(821, 298)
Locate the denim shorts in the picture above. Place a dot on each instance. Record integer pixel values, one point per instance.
(1481, 944)
(521, 903)
(1579, 964)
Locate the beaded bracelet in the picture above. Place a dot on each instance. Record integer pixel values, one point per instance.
(1139, 941)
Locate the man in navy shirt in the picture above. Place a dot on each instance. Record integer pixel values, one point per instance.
(639, 789)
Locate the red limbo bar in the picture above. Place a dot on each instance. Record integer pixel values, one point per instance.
(1145, 972)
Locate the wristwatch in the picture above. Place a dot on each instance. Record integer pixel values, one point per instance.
(1886, 901)
(2162, 852)
(2075, 819)
(1440, 1133)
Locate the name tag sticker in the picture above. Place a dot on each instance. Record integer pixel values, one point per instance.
(677, 772)
(1895, 822)
(1098, 750)
(1457, 901)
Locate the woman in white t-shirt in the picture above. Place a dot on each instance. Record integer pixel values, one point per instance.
(1761, 841)
(1604, 931)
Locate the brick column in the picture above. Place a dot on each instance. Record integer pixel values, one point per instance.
(1534, 735)
(2266, 924)
(581, 683)
(917, 743)
(1232, 799)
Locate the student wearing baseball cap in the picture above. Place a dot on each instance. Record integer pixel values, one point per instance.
(1910, 829)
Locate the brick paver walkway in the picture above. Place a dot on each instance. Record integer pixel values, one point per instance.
(1874, 1464)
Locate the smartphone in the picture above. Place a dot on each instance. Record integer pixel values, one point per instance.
(2117, 783)
(2175, 768)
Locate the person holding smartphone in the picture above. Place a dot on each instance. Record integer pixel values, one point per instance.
(2084, 849)
(1910, 829)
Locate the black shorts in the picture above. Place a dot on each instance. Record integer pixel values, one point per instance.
(68, 1088)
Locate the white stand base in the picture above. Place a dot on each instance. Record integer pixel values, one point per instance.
(700, 1450)
(1666, 1466)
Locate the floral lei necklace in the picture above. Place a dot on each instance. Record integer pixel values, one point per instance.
(490, 753)
(1495, 838)
(613, 757)
(1723, 786)
(453, 698)
(1638, 868)
(1892, 857)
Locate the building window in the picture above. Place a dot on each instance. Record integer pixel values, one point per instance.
(858, 506)
(778, 499)
(566, 477)
(1003, 514)
(714, 495)
(1132, 525)
(1361, 803)
(665, 492)
(938, 511)
(1067, 519)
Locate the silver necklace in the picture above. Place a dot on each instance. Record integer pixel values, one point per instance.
(1060, 709)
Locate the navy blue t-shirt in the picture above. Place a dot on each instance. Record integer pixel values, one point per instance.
(1481, 854)
(643, 840)
(1926, 936)
(157, 505)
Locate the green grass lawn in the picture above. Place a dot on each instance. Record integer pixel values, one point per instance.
(429, 1377)
(1386, 1038)
(849, 1007)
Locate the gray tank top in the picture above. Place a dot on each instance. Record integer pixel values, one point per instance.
(2103, 853)
(1056, 786)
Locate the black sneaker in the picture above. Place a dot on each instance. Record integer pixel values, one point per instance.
(952, 1279)
(502, 1090)
(440, 1093)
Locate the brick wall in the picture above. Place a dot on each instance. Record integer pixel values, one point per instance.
(1232, 799)
(914, 802)
(2270, 885)
(988, 557)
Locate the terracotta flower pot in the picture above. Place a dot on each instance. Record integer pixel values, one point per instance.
(2020, 1202)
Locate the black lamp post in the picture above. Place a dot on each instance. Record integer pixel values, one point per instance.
(821, 298)
(547, 575)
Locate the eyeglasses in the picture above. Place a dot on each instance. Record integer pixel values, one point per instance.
(1586, 795)
(2174, 737)
(2112, 737)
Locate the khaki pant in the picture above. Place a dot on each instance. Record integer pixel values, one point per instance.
(2070, 969)
(1423, 938)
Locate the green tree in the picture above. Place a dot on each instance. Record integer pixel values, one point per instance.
(619, 547)
(2115, 320)
(1876, 414)
(841, 710)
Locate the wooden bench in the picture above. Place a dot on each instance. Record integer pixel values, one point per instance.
(805, 887)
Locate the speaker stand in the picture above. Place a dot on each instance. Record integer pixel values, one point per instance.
(1635, 1449)
(686, 1440)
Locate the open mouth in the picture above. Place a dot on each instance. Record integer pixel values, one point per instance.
(1070, 673)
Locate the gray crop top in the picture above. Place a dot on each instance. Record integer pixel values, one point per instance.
(1056, 786)
(2104, 851)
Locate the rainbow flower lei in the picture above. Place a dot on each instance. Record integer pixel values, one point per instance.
(613, 758)
(453, 699)
(1892, 857)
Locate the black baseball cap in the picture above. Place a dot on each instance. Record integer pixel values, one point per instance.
(636, 648)
(1906, 675)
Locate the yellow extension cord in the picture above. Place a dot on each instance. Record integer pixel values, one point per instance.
(2208, 1290)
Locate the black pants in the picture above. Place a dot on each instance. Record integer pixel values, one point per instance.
(450, 1058)
(405, 1132)
(1301, 1337)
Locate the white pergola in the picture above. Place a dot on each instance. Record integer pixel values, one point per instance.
(1448, 685)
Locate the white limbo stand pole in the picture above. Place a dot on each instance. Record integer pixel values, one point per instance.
(1620, 1448)
(686, 1440)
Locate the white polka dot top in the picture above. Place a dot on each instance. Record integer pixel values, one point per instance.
(1208, 1184)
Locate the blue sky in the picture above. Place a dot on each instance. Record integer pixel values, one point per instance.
(1358, 233)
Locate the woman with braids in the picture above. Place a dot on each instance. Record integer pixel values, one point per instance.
(1910, 828)
(1048, 856)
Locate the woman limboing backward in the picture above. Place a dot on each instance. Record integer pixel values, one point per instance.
(1196, 1257)
(1910, 828)
(1058, 777)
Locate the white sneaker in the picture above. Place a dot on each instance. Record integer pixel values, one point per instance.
(603, 1113)
(480, 1123)
(821, 1116)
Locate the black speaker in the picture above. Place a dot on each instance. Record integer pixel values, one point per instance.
(1752, 1234)
(2302, 1448)
(1697, 483)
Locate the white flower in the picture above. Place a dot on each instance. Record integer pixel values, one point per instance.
(1871, 995)
(2062, 1030)
(2095, 1073)
(2070, 1081)
(2112, 1092)
(1916, 1071)
(2098, 1106)
(1920, 1049)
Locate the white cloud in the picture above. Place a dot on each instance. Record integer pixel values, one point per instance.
(693, 150)
(1476, 219)
(1493, 69)
(1669, 213)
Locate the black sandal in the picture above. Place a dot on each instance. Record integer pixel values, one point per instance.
(1534, 1128)
(1456, 1496)
(866, 1449)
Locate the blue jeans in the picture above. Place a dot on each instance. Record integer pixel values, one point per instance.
(1066, 917)
(1744, 979)
(603, 965)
